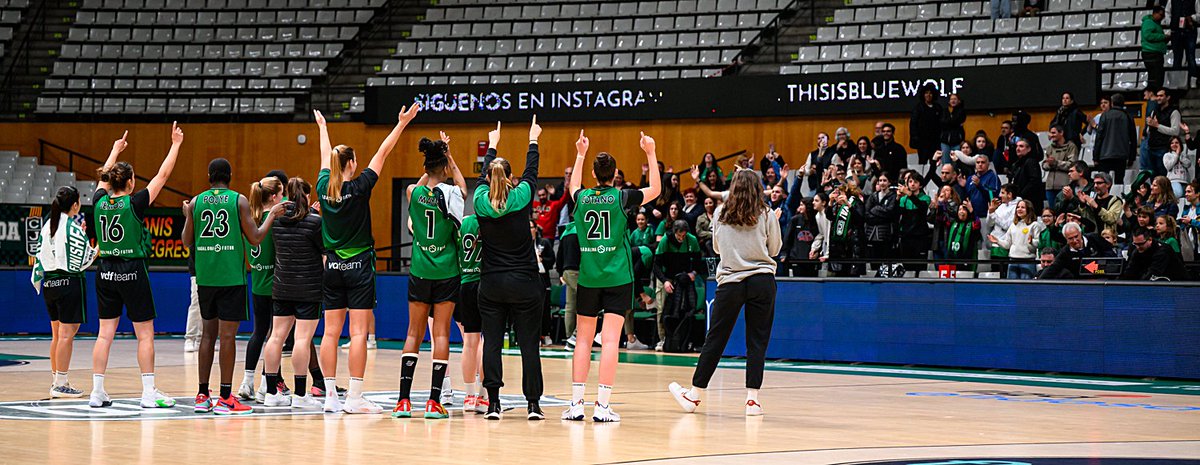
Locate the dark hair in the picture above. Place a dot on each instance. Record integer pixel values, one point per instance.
(1060, 128)
(605, 167)
(1158, 9)
(66, 197)
(220, 171)
(888, 126)
(1010, 187)
(870, 147)
(1104, 98)
(117, 176)
(1118, 100)
(679, 225)
(1048, 251)
(1083, 168)
(278, 174)
(1144, 232)
(435, 154)
(1069, 95)
(297, 191)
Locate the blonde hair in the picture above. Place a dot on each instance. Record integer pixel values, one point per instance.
(338, 158)
(499, 184)
(260, 193)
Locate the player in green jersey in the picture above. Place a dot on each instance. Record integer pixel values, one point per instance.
(264, 195)
(122, 277)
(466, 313)
(349, 280)
(218, 223)
(605, 269)
(436, 211)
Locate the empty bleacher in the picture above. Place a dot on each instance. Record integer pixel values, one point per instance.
(24, 181)
(11, 12)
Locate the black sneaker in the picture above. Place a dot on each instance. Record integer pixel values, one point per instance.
(494, 408)
(535, 412)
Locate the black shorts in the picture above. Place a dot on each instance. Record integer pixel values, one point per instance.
(300, 310)
(225, 303)
(349, 282)
(466, 311)
(65, 300)
(124, 283)
(433, 291)
(590, 301)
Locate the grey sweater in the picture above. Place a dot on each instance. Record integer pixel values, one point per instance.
(745, 251)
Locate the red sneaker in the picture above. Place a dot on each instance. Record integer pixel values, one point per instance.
(403, 409)
(204, 403)
(231, 406)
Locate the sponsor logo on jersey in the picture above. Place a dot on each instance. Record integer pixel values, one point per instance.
(601, 249)
(427, 200)
(120, 252)
(112, 204)
(345, 266)
(118, 277)
(261, 267)
(216, 248)
(55, 282)
(434, 248)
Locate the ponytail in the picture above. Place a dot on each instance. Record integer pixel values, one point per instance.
(297, 192)
(499, 184)
(117, 176)
(66, 198)
(338, 158)
(260, 193)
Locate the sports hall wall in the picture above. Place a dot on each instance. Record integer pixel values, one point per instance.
(255, 148)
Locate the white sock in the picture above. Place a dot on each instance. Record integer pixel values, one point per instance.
(331, 387)
(577, 392)
(470, 388)
(605, 393)
(695, 393)
(147, 383)
(263, 377)
(60, 378)
(355, 388)
(370, 338)
(248, 378)
(751, 395)
(98, 382)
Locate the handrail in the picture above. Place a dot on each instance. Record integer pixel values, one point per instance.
(71, 154)
(774, 28)
(37, 22)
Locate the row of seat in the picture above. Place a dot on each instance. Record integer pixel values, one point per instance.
(209, 85)
(954, 9)
(600, 9)
(196, 105)
(221, 18)
(199, 52)
(970, 47)
(1110, 80)
(687, 58)
(1051, 5)
(203, 35)
(687, 23)
(189, 68)
(23, 180)
(488, 47)
(591, 76)
(10, 16)
(983, 26)
(175, 5)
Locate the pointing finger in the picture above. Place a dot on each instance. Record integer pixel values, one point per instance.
(123, 136)
(497, 125)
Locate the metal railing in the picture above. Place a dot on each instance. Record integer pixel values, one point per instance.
(21, 57)
(383, 24)
(794, 9)
(43, 145)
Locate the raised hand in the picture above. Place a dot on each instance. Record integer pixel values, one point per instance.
(534, 130)
(444, 137)
(119, 145)
(408, 113)
(582, 144)
(176, 134)
(319, 117)
(494, 136)
(695, 173)
(187, 208)
(647, 143)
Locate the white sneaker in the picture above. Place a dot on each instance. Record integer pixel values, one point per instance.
(277, 400)
(574, 412)
(447, 392)
(604, 414)
(680, 395)
(65, 391)
(345, 345)
(245, 392)
(190, 346)
(371, 344)
(658, 347)
(570, 345)
(637, 345)
(332, 404)
(546, 341)
(753, 408)
(157, 399)
(98, 399)
(306, 403)
(260, 396)
(596, 340)
(361, 405)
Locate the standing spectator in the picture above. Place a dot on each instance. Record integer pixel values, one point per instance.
(704, 227)
(845, 230)
(1149, 95)
(1150, 260)
(878, 139)
(1079, 246)
(715, 181)
(880, 220)
(962, 234)
(820, 247)
(1105, 105)
(1162, 125)
(567, 266)
(709, 163)
(1069, 198)
(1001, 9)
(1017, 241)
(999, 219)
(1021, 131)
(891, 156)
(772, 161)
(1047, 232)
(1101, 206)
(642, 235)
(948, 176)
(1181, 165)
(952, 132)
(1183, 19)
(670, 197)
(1154, 46)
(1116, 140)
(1189, 217)
(863, 175)
(914, 229)
(820, 160)
(691, 209)
(1027, 175)
(1162, 198)
(557, 193)
(981, 187)
(798, 240)
(1167, 229)
(1060, 157)
(981, 144)
(924, 127)
(1005, 153)
(1135, 218)
(777, 206)
(1072, 120)
(940, 214)
(548, 211)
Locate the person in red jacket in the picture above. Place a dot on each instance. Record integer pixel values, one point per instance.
(548, 211)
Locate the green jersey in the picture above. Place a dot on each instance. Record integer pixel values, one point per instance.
(641, 237)
(601, 224)
(119, 229)
(346, 224)
(262, 264)
(468, 252)
(220, 246)
(435, 248)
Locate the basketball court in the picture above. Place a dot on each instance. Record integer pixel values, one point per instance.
(816, 413)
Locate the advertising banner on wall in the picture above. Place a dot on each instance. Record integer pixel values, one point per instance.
(981, 88)
(21, 225)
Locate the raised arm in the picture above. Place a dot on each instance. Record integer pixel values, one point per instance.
(420, 182)
(119, 146)
(385, 149)
(254, 232)
(326, 146)
(493, 141)
(651, 193)
(454, 171)
(581, 149)
(703, 187)
(168, 165)
(531, 157)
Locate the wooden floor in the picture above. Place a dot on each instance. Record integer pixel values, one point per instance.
(811, 417)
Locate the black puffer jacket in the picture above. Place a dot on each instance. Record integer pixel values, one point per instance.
(298, 249)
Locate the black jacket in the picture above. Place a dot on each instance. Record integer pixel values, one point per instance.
(1156, 263)
(298, 249)
(1116, 136)
(1075, 122)
(1066, 264)
(881, 216)
(568, 254)
(925, 126)
(798, 238)
(892, 158)
(1026, 176)
(952, 132)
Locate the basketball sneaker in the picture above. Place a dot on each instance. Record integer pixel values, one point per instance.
(246, 390)
(493, 411)
(65, 391)
(231, 406)
(260, 395)
(278, 400)
(469, 403)
(332, 404)
(98, 399)
(204, 403)
(604, 414)
(637, 345)
(535, 412)
(658, 347)
(482, 405)
(361, 405)
(306, 402)
(574, 412)
(753, 408)
(447, 392)
(570, 345)
(435, 411)
(318, 392)
(681, 396)
(157, 399)
(403, 409)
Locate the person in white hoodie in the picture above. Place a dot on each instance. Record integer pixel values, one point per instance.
(999, 217)
(746, 236)
(1018, 241)
(1181, 165)
(58, 274)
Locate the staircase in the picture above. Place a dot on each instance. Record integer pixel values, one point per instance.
(779, 43)
(347, 78)
(35, 45)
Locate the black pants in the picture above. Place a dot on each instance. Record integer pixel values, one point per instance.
(914, 248)
(757, 293)
(1115, 166)
(263, 306)
(547, 320)
(1183, 45)
(517, 297)
(1154, 68)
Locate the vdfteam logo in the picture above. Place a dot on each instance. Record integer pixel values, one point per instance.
(1059, 399)
(131, 410)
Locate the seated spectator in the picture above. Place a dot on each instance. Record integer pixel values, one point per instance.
(1017, 241)
(620, 183)
(642, 235)
(962, 235)
(982, 186)
(881, 217)
(1101, 207)
(1111, 236)
(1162, 198)
(670, 195)
(1027, 174)
(1000, 214)
(677, 264)
(709, 164)
(1046, 258)
(674, 213)
(1061, 155)
(1167, 230)
(1189, 215)
(1181, 166)
(1079, 246)
(1150, 260)
(691, 209)
(1142, 217)
(798, 240)
(704, 228)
